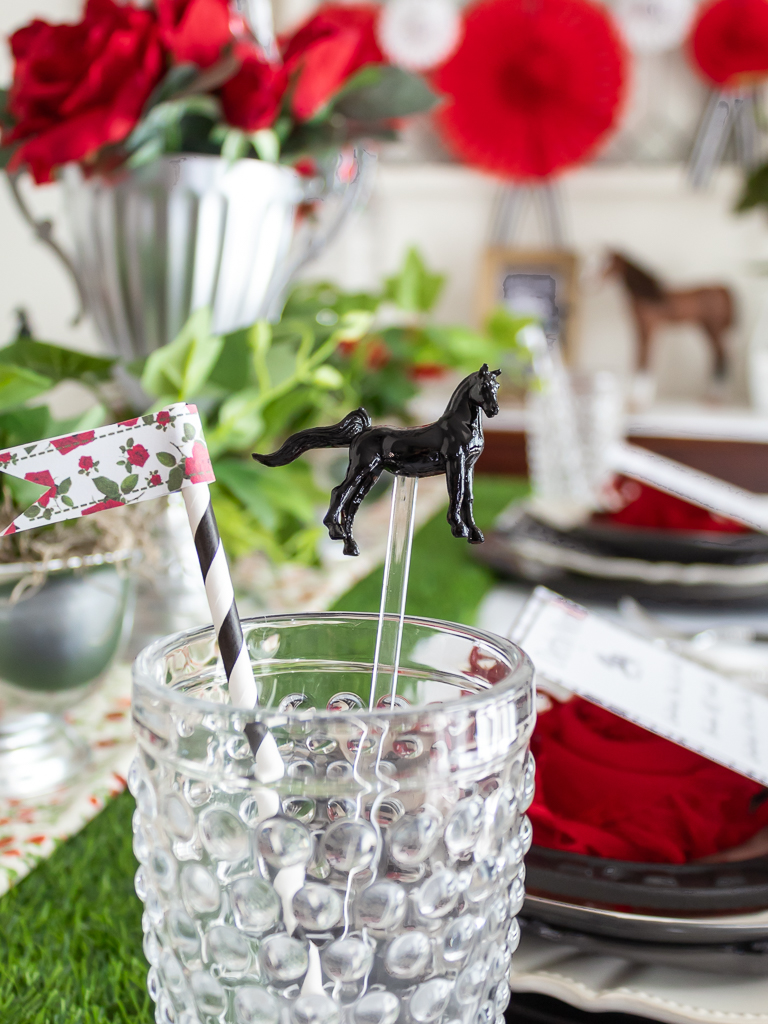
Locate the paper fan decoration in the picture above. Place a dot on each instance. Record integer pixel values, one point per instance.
(654, 26)
(729, 42)
(534, 87)
(419, 34)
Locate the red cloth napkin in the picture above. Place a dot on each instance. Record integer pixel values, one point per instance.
(608, 788)
(645, 506)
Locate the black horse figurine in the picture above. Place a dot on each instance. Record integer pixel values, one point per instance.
(452, 445)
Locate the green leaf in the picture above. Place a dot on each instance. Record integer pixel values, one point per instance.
(23, 492)
(107, 487)
(32, 512)
(166, 459)
(394, 93)
(755, 191)
(189, 432)
(56, 362)
(240, 423)
(175, 478)
(235, 145)
(267, 492)
(266, 142)
(129, 483)
(64, 486)
(18, 384)
(178, 78)
(414, 288)
(179, 370)
(20, 426)
(67, 501)
(6, 118)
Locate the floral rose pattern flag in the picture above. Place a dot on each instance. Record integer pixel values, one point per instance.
(119, 464)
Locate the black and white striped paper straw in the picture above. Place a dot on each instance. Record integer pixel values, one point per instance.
(226, 621)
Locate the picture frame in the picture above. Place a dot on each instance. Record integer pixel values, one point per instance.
(517, 279)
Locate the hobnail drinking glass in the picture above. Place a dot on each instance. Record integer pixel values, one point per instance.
(379, 879)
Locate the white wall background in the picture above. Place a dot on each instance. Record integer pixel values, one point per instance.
(646, 210)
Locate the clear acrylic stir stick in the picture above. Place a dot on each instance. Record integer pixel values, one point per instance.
(389, 635)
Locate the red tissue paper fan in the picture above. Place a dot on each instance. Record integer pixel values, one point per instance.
(534, 86)
(729, 42)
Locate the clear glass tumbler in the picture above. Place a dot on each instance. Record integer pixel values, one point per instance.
(379, 879)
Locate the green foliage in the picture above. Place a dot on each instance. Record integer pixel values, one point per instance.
(180, 369)
(755, 191)
(414, 289)
(326, 355)
(18, 385)
(183, 115)
(382, 91)
(57, 363)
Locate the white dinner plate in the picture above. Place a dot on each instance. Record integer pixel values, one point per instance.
(608, 983)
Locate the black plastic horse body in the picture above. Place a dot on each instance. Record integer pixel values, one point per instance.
(452, 445)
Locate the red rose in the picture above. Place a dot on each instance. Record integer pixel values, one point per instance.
(13, 528)
(43, 477)
(128, 423)
(198, 465)
(65, 445)
(137, 455)
(163, 418)
(5, 457)
(326, 50)
(79, 87)
(251, 98)
(155, 480)
(195, 31)
(85, 462)
(100, 506)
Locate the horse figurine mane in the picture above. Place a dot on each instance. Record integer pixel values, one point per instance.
(451, 445)
(640, 282)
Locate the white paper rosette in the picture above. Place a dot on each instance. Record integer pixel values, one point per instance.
(419, 34)
(654, 26)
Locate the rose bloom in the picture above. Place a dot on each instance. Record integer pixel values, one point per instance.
(163, 418)
(79, 87)
(326, 50)
(85, 462)
(195, 31)
(137, 455)
(251, 98)
(155, 480)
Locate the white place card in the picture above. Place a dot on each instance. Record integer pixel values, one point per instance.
(645, 683)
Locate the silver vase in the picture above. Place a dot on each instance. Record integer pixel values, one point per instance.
(187, 231)
(56, 642)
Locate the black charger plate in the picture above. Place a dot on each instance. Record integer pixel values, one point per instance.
(672, 889)
(603, 562)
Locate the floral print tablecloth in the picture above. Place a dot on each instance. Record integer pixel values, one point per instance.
(30, 830)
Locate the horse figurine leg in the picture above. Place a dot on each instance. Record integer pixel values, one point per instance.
(456, 479)
(345, 501)
(349, 510)
(474, 533)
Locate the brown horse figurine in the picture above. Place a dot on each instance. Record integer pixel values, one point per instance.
(654, 305)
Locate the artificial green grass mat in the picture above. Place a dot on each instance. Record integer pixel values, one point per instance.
(446, 581)
(70, 933)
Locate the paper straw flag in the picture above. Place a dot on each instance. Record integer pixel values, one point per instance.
(138, 459)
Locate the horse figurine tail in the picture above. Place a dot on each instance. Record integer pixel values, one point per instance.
(339, 435)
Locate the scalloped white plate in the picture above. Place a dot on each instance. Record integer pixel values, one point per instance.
(601, 983)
